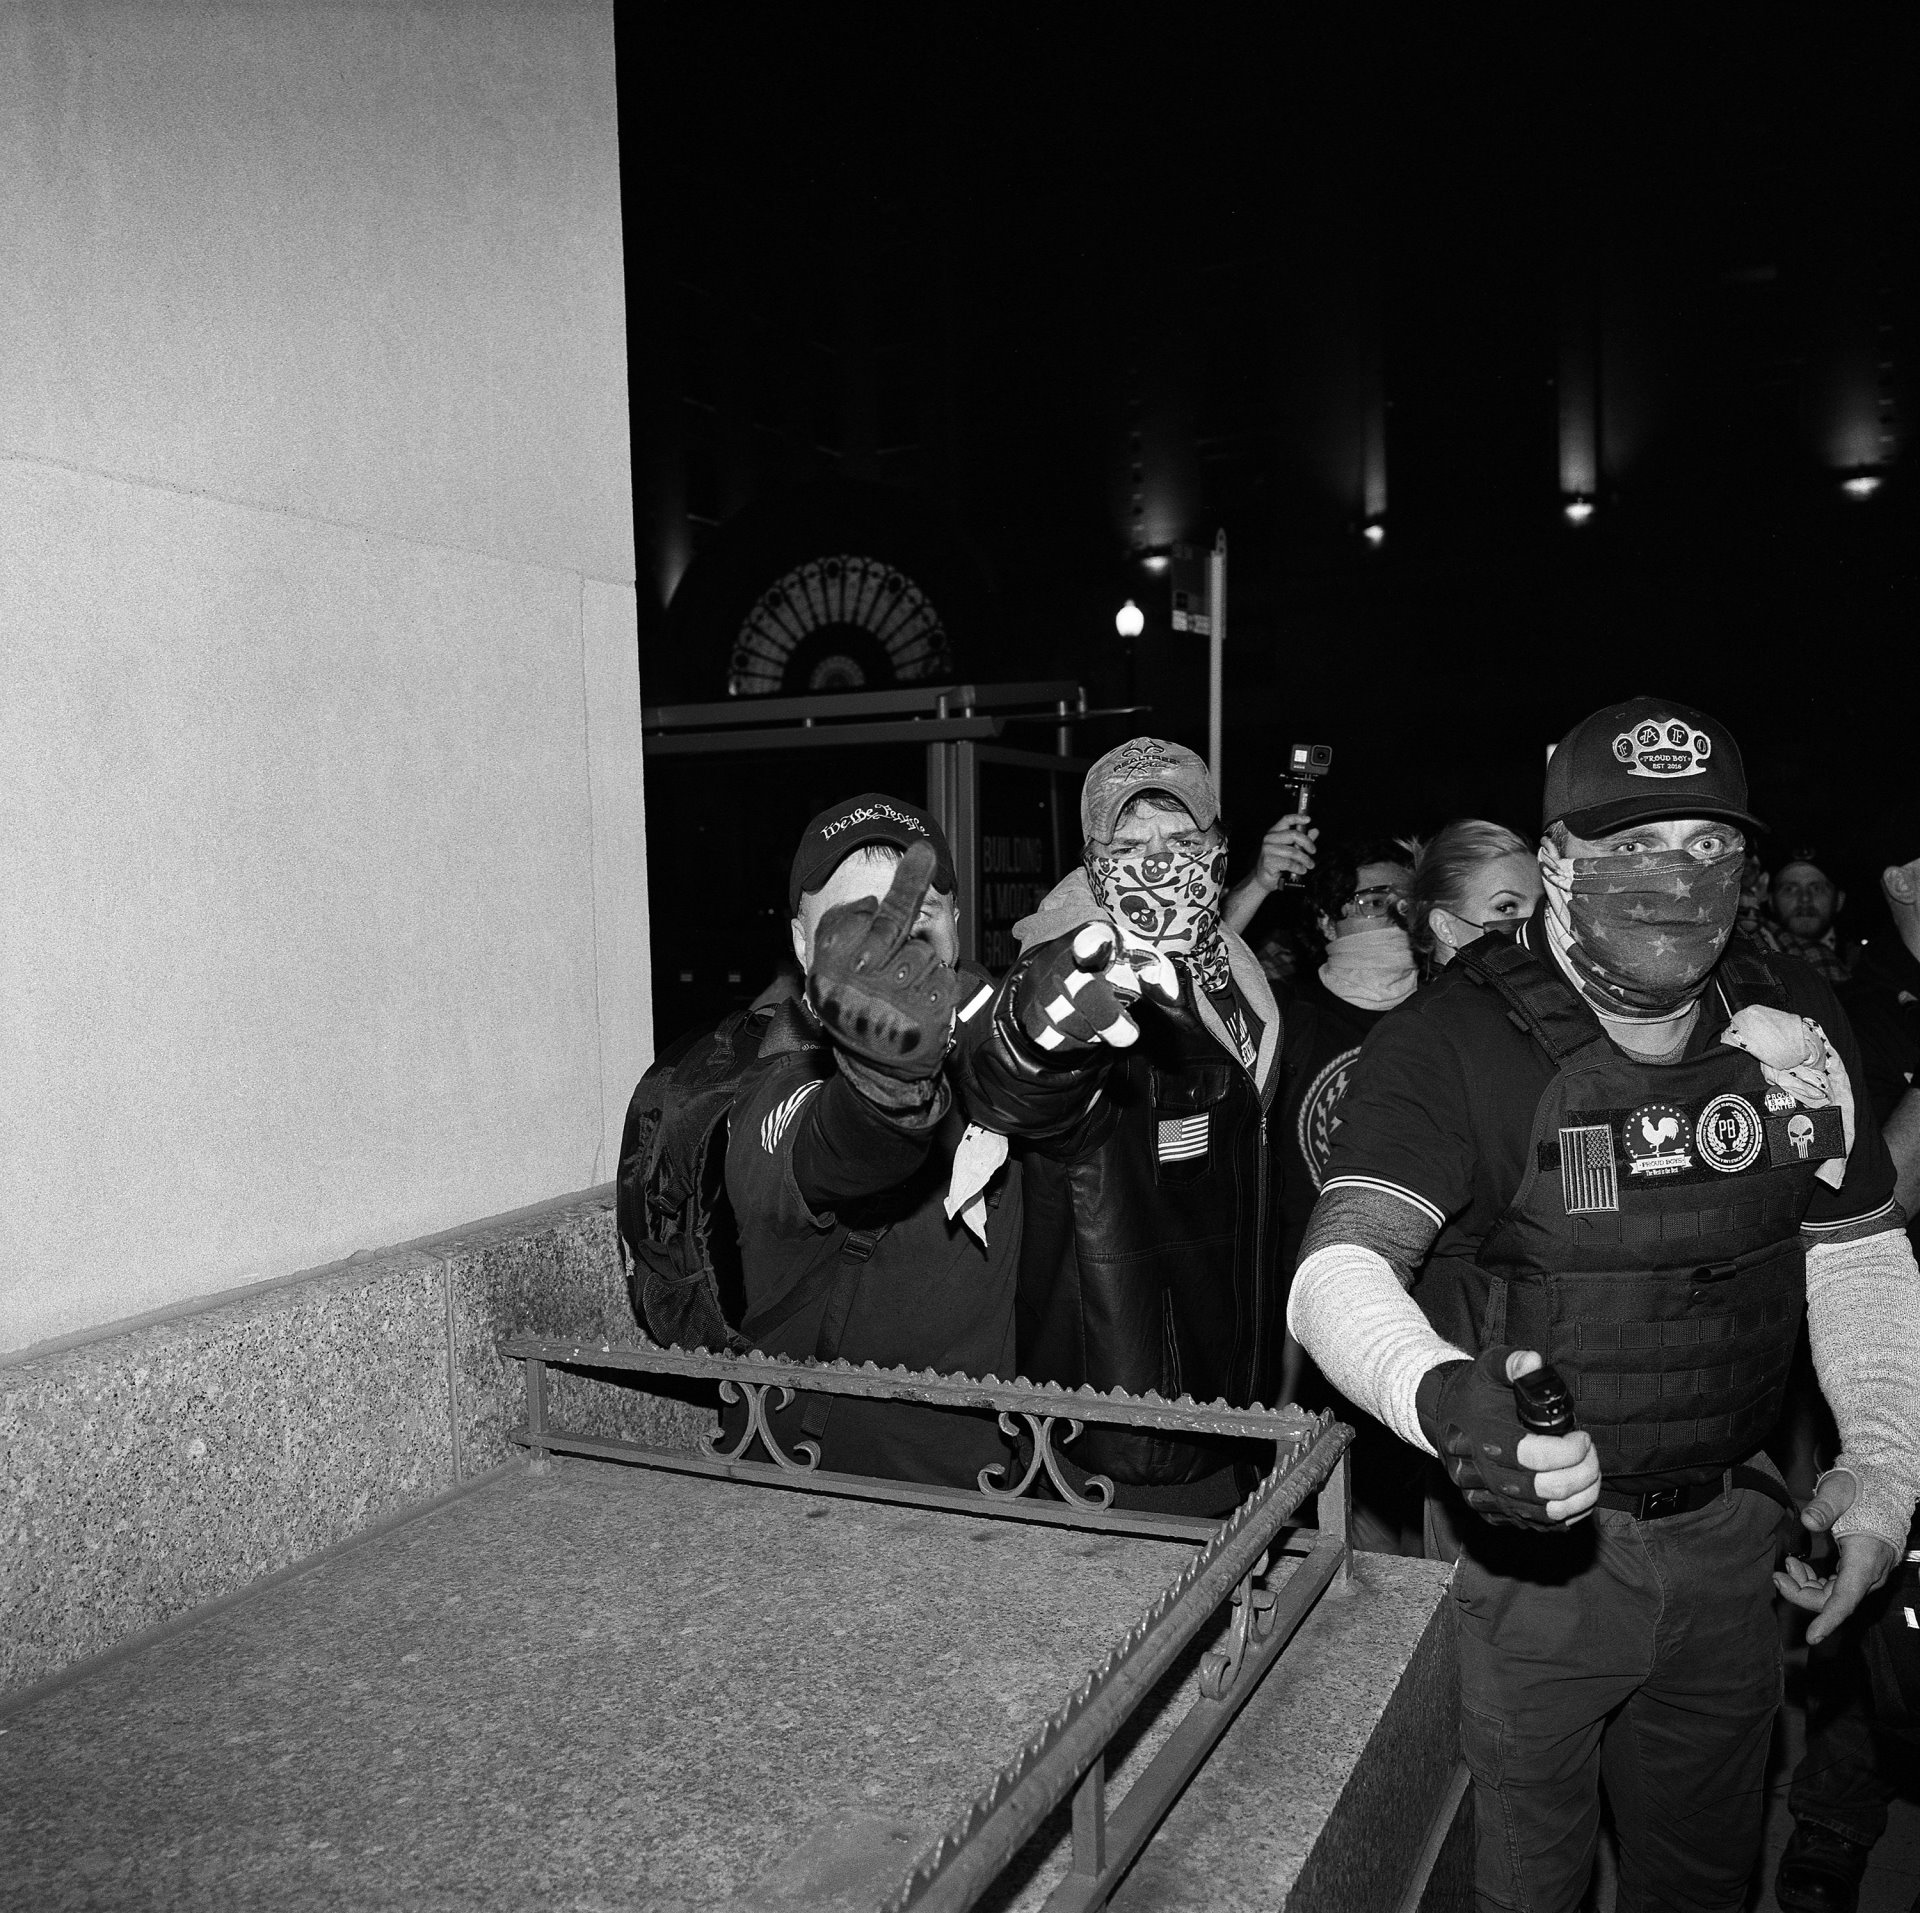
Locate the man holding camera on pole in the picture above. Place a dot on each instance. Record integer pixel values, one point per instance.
(1616, 1158)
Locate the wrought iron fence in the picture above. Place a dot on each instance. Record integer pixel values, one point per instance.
(1068, 1754)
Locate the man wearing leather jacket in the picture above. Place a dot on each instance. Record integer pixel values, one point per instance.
(1630, 1145)
(1148, 1259)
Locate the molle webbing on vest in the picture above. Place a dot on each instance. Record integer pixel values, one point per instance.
(1540, 1001)
(1745, 976)
(1688, 1373)
(1671, 1300)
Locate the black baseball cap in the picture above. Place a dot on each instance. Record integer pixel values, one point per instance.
(1802, 852)
(1646, 758)
(870, 818)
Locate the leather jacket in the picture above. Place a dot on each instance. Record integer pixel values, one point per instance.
(1148, 1260)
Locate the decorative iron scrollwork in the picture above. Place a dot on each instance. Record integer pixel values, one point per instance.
(806, 1454)
(1252, 1622)
(1099, 1487)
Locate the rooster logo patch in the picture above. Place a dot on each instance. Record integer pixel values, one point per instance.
(1658, 1139)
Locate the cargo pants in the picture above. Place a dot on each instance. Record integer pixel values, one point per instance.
(1642, 1653)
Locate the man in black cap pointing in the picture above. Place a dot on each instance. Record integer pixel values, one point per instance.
(1628, 1146)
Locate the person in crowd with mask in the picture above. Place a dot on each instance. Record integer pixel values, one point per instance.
(1148, 1262)
(1798, 921)
(1471, 878)
(1616, 1145)
(1863, 1683)
(1357, 893)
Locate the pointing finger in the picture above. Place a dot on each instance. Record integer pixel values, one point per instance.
(1093, 947)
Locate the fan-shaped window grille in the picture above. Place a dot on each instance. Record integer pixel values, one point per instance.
(838, 624)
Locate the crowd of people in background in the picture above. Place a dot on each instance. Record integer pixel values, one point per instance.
(1464, 1106)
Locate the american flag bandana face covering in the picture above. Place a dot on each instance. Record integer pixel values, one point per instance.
(1641, 931)
(1168, 901)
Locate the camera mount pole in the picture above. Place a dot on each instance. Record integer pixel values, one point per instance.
(1216, 640)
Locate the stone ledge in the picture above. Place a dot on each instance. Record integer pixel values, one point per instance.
(170, 1463)
(1321, 1794)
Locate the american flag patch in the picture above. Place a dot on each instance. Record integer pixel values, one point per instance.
(1588, 1179)
(1183, 1138)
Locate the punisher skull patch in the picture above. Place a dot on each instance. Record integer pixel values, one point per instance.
(1807, 1135)
(1728, 1135)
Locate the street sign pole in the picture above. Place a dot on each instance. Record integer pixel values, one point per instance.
(1216, 640)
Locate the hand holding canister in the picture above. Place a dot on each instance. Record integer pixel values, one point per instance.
(1504, 1430)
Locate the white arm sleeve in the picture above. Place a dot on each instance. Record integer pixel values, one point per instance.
(1863, 1318)
(1349, 1312)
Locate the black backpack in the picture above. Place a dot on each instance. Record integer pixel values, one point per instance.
(678, 1235)
(676, 1225)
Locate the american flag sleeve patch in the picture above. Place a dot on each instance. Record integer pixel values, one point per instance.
(1589, 1182)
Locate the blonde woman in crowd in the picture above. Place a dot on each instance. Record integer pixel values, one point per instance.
(1472, 877)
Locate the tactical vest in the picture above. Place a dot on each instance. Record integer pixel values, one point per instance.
(1652, 1251)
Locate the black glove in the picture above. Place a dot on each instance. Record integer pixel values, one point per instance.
(1467, 1411)
(883, 996)
(1074, 993)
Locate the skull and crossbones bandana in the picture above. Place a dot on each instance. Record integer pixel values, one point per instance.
(1167, 903)
(1640, 931)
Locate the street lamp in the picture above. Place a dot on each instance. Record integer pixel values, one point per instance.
(1129, 620)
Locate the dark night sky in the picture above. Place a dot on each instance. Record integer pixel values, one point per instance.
(1061, 204)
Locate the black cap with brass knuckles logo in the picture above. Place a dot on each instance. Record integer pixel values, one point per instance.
(1647, 758)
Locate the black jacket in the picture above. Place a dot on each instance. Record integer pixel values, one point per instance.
(1148, 1261)
(847, 1251)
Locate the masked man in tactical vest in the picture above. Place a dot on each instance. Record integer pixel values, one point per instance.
(1628, 1144)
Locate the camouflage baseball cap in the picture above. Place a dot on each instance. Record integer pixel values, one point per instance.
(1144, 763)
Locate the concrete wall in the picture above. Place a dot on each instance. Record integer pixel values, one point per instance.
(146, 1472)
(324, 912)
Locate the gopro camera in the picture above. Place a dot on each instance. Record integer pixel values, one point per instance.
(1544, 1403)
(1305, 764)
(1309, 760)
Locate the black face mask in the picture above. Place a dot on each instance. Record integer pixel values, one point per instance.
(1494, 926)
